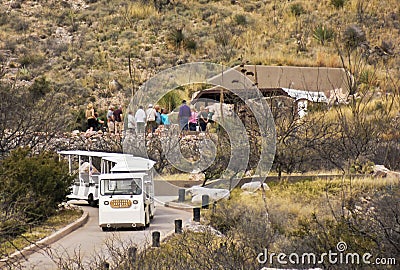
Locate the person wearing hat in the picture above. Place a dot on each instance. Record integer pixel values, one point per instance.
(151, 115)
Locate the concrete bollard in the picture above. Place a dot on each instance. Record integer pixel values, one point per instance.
(196, 214)
(181, 195)
(156, 239)
(178, 225)
(205, 200)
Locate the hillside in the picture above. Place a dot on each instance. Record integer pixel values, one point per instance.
(81, 46)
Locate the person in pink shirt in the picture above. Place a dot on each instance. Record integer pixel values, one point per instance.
(193, 120)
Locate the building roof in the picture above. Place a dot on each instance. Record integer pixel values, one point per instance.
(311, 79)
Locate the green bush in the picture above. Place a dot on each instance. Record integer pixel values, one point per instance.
(40, 87)
(338, 3)
(240, 19)
(33, 184)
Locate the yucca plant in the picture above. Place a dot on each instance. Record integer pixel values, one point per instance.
(323, 34)
(176, 37)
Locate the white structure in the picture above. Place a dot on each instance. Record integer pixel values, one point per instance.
(126, 200)
(102, 176)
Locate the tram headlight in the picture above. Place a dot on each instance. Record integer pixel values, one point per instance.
(106, 202)
(135, 202)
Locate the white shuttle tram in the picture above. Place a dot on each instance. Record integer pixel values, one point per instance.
(126, 196)
(123, 187)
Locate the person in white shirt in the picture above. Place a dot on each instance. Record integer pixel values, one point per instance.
(131, 123)
(140, 118)
(151, 119)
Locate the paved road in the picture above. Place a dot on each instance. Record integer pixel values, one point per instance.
(90, 239)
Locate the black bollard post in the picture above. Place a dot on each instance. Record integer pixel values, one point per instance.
(196, 214)
(205, 200)
(181, 195)
(156, 239)
(106, 266)
(132, 255)
(178, 225)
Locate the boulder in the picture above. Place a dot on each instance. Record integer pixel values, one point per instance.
(214, 194)
(254, 186)
(380, 171)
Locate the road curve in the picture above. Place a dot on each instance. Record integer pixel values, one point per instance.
(89, 239)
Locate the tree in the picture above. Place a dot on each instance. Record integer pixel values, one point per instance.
(30, 116)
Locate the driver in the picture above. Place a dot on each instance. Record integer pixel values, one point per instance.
(136, 190)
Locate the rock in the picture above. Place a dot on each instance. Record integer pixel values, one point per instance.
(214, 194)
(114, 85)
(197, 227)
(254, 186)
(380, 171)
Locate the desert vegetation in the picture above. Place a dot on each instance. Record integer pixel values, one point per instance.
(33, 186)
(301, 218)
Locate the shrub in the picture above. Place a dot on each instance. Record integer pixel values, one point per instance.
(297, 9)
(33, 184)
(323, 34)
(176, 37)
(31, 59)
(338, 3)
(40, 88)
(240, 19)
(354, 36)
(191, 45)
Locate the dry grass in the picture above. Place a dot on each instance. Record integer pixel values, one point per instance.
(173, 177)
(289, 204)
(36, 233)
(139, 11)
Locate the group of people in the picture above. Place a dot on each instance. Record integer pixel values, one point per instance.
(148, 120)
(94, 122)
(190, 119)
(115, 118)
(155, 116)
